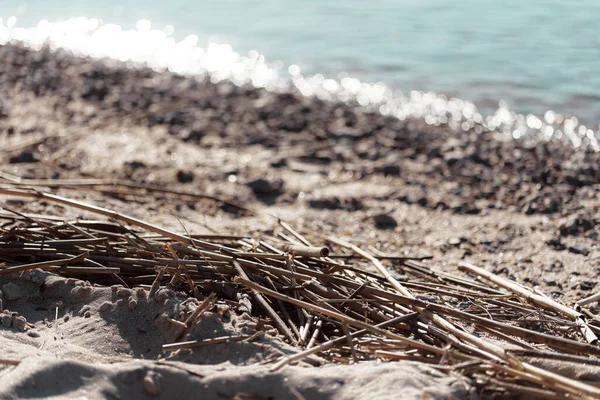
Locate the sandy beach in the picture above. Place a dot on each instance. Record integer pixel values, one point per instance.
(525, 211)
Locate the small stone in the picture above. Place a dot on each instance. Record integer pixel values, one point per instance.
(66, 318)
(587, 285)
(33, 334)
(576, 225)
(384, 221)
(550, 280)
(282, 162)
(152, 383)
(578, 250)
(11, 291)
(262, 187)
(87, 314)
(26, 156)
(132, 304)
(390, 170)
(185, 176)
(556, 243)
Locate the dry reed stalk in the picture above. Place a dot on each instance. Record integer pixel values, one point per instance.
(334, 293)
(93, 183)
(337, 316)
(5, 361)
(281, 326)
(529, 295)
(334, 342)
(107, 213)
(42, 265)
(569, 384)
(192, 344)
(305, 251)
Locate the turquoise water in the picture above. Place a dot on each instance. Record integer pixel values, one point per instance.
(535, 55)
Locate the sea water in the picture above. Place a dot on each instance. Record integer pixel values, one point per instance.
(524, 66)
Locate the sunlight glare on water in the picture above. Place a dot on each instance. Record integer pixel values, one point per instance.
(157, 49)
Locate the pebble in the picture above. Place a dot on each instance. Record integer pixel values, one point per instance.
(587, 285)
(184, 176)
(26, 156)
(263, 187)
(384, 221)
(578, 250)
(576, 225)
(390, 170)
(556, 243)
(336, 203)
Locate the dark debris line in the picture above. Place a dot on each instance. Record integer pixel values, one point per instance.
(474, 171)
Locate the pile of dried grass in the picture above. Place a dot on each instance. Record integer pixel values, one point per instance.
(345, 305)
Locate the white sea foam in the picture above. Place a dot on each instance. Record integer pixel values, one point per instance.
(157, 49)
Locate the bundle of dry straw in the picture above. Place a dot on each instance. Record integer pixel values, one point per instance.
(330, 297)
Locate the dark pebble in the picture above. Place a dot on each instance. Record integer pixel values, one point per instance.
(384, 221)
(587, 285)
(550, 280)
(185, 176)
(578, 250)
(576, 225)
(390, 170)
(134, 165)
(556, 244)
(26, 156)
(335, 203)
(282, 162)
(263, 187)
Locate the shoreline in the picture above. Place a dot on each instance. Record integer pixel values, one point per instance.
(524, 210)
